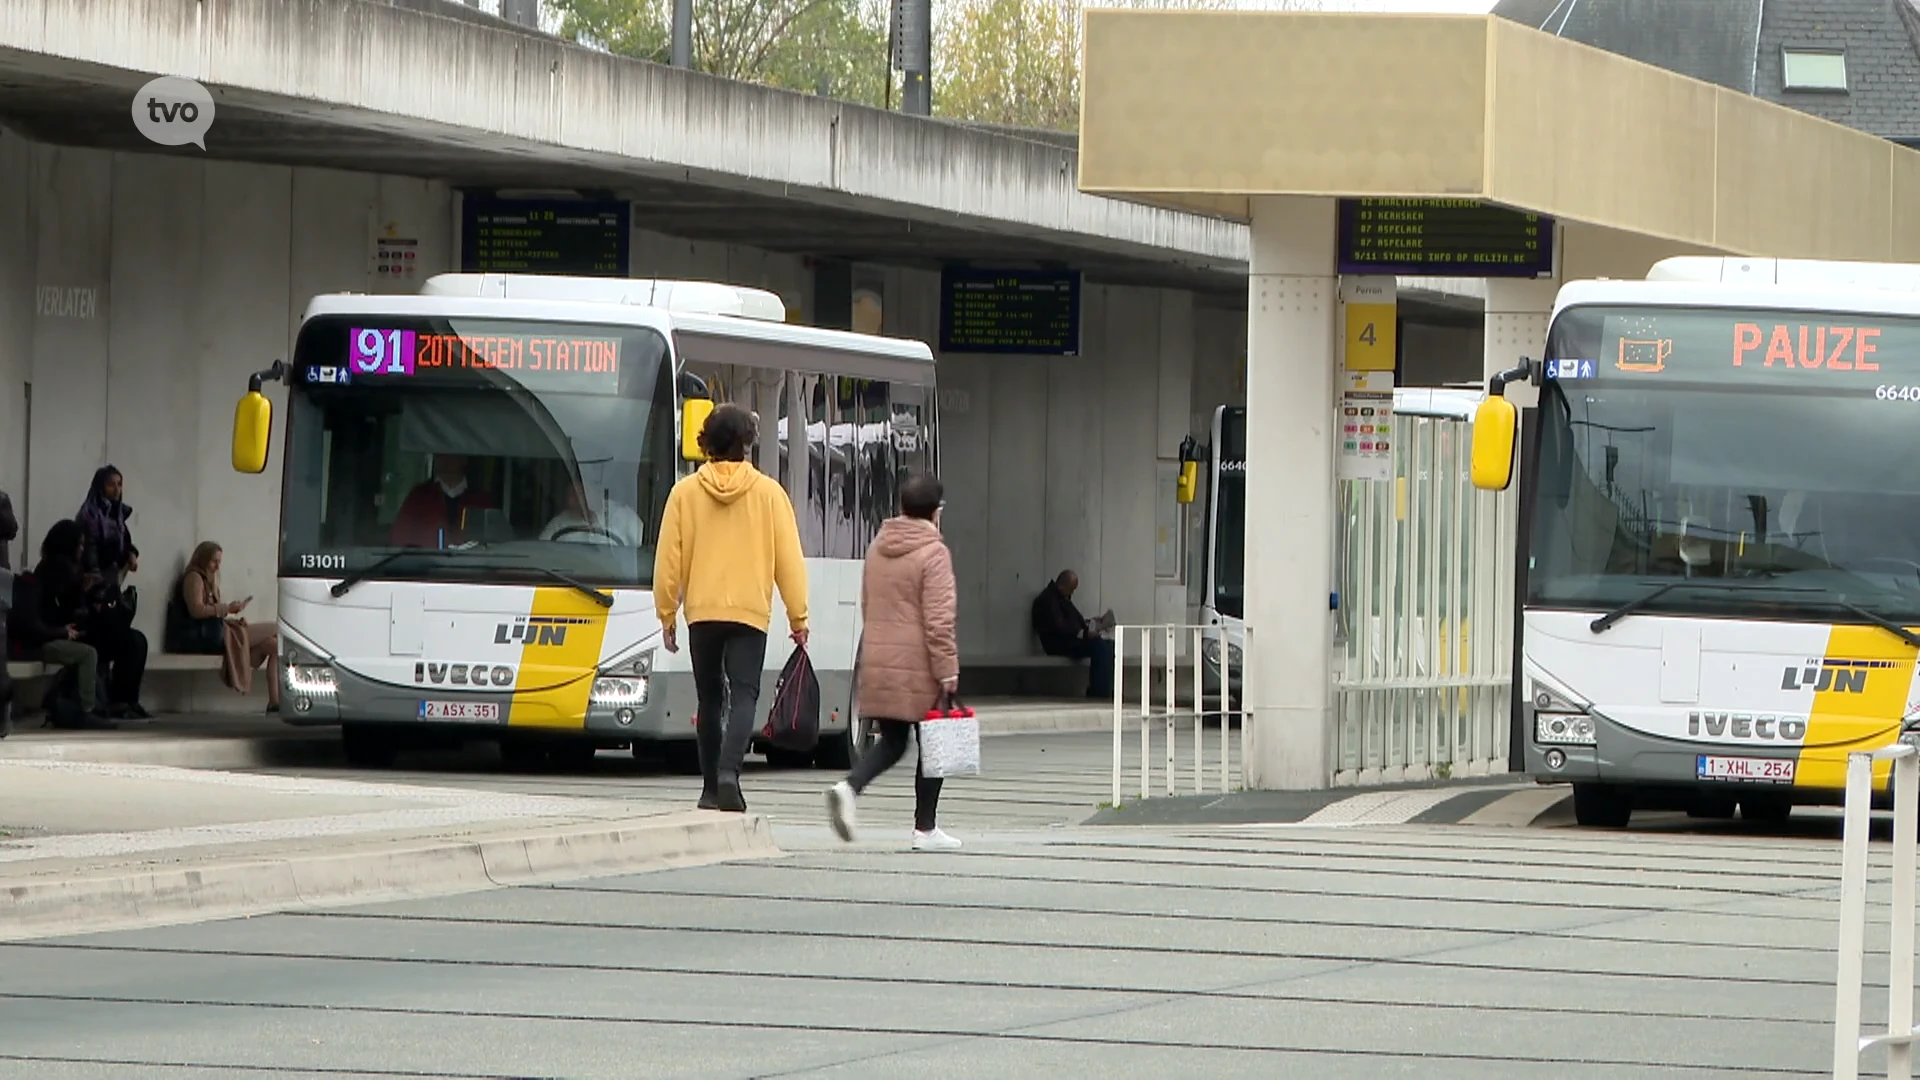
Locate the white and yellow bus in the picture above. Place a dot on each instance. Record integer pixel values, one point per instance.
(1720, 534)
(559, 411)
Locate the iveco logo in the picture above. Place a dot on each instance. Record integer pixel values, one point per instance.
(483, 675)
(1748, 725)
(1839, 676)
(536, 630)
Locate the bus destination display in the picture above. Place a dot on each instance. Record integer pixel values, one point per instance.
(560, 362)
(1034, 312)
(545, 236)
(1443, 238)
(1771, 348)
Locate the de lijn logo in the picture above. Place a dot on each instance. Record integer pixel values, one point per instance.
(173, 111)
(536, 630)
(1829, 674)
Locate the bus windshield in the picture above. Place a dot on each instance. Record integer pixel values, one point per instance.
(1764, 458)
(512, 450)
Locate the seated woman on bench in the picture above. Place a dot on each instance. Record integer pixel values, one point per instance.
(199, 621)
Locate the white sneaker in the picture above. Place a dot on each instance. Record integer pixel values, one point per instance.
(934, 840)
(840, 809)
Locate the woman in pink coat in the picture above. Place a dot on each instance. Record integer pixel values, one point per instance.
(909, 659)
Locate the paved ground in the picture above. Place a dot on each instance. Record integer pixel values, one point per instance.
(1324, 951)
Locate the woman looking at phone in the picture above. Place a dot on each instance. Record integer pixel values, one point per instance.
(200, 620)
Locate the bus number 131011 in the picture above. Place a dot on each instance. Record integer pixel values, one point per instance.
(323, 562)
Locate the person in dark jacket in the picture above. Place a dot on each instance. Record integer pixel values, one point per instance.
(110, 551)
(1063, 631)
(9, 529)
(49, 606)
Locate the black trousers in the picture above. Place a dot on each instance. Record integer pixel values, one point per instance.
(727, 660)
(1098, 652)
(123, 653)
(893, 744)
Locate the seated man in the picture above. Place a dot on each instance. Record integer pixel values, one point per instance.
(1063, 631)
(434, 513)
(581, 524)
(47, 616)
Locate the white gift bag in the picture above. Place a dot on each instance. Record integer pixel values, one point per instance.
(950, 742)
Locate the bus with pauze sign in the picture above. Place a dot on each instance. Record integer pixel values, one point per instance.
(1719, 578)
(472, 492)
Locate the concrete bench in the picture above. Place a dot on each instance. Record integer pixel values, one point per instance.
(1023, 675)
(156, 662)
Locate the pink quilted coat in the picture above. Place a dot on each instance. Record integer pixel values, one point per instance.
(908, 602)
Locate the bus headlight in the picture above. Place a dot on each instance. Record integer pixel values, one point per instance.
(1566, 729)
(623, 684)
(1210, 648)
(312, 680)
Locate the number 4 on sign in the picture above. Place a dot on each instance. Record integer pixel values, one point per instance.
(1368, 336)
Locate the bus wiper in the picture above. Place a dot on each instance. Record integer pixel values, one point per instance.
(340, 588)
(1601, 624)
(1876, 619)
(604, 599)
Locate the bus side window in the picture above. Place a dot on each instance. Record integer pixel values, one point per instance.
(873, 462)
(811, 506)
(842, 500)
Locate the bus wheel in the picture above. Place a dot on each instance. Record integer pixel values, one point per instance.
(838, 750)
(682, 756)
(1598, 806)
(1765, 809)
(368, 747)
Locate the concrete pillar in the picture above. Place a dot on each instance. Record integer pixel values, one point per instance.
(1292, 294)
(1517, 313)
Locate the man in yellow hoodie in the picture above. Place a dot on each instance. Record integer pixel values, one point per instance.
(727, 538)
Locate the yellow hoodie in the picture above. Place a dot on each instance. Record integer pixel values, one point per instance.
(728, 536)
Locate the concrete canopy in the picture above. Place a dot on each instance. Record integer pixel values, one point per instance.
(423, 88)
(1204, 110)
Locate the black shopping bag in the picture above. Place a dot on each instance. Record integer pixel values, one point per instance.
(793, 723)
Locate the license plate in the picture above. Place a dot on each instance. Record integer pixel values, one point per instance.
(1750, 769)
(459, 710)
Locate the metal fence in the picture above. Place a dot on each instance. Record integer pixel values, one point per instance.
(1188, 765)
(1426, 616)
(1848, 1042)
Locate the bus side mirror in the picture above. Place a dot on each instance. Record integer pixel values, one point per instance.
(1189, 483)
(252, 422)
(1494, 424)
(693, 417)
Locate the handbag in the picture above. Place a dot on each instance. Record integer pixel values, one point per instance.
(793, 721)
(949, 740)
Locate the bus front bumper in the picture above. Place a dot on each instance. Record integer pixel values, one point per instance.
(660, 706)
(1622, 756)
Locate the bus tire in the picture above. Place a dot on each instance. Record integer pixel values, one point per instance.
(837, 751)
(1601, 806)
(682, 756)
(368, 747)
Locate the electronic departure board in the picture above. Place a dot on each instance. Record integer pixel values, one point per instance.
(1443, 238)
(1036, 312)
(545, 236)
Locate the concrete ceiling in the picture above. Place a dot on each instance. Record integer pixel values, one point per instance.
(71, 104)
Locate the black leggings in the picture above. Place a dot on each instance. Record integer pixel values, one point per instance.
(893, 743)
(727, 658)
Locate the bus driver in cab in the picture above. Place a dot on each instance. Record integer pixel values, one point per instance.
(434, 513)
(580, 523)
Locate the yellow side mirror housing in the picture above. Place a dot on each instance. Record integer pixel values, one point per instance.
(1189, 483)
(252, 424)
(693, 417)
(1495, 423)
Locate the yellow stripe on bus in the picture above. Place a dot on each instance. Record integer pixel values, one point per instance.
(1849, 716)
(561, 654)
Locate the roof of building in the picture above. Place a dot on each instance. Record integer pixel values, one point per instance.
(1741, 44)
